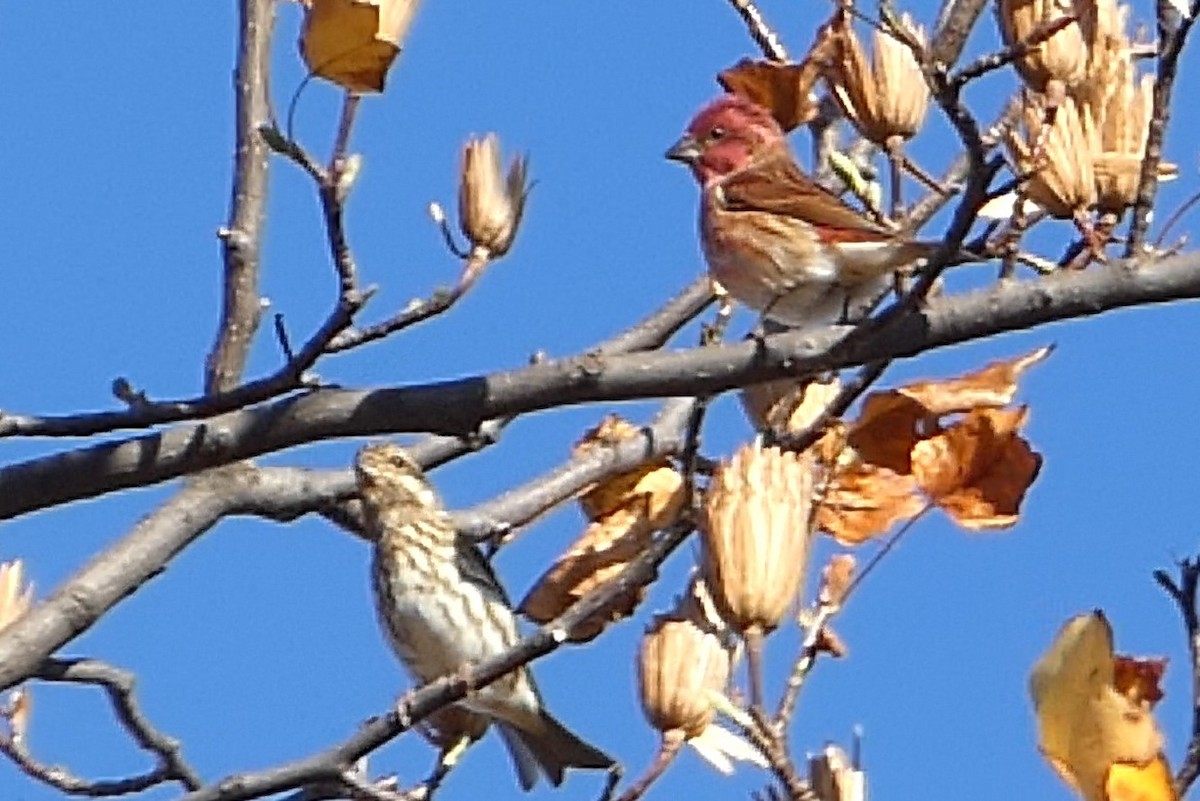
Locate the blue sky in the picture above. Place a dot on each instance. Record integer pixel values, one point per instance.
(259, 644)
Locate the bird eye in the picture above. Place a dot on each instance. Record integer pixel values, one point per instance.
(715, 134)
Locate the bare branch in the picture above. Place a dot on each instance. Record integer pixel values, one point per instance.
(461, 406)
(1171, 40)
(1184, 595)
(762, 33)
(119, 685)
(277, 493)
(241, 305)
(955, 21)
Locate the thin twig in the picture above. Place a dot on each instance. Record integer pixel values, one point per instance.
(241, 239)
(668, 749)
(119, 685)
(761, 32)
(1184, 595)
(1171, 40)
(803, 665)
(1175, 217)
(994, 61)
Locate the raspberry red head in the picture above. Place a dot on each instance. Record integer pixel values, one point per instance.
(725, 136)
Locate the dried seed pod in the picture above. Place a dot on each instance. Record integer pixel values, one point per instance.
(1057, 64)
(888, 97)
(680, 662)
(490, 205)
(1063, 179)
(756, 533)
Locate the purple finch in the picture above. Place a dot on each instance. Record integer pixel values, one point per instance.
(774, 239)
(442, 609)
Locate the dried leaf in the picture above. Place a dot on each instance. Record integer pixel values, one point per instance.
(653, 484)
(626, 511)
(991, 387)
(353, 42)
(788, 404)
(836, 577)
(785, 89)
(978, 469)
(1085, 724)
(888, 427)
(894, 421)
(1140, 680)
(864, 501)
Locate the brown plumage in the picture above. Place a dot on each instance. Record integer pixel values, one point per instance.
(777, 241)
(442, 608)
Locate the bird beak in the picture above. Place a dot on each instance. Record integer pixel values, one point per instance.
(686, 150)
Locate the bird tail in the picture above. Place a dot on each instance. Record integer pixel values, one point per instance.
(550, 746)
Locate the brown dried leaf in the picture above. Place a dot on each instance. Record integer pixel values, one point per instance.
(1140, 679)
(978, 469)
(836, 577)
(864, 501)
(353, 42)
(629, 509)
(785, 89)
(888, 427)
(1085, 724)
(787, 404)
(993, 386)
(652, 485)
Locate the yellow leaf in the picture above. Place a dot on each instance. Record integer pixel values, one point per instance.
(353, 42)
(1150, 782)
(1085, 724)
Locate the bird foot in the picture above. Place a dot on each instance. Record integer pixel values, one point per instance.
(403, 707)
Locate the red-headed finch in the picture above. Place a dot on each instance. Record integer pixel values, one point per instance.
(774, 239)
(442, 609)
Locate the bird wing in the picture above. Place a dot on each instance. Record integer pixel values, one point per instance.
(776, 185)
(475, 568)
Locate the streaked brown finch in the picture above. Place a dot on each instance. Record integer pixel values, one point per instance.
(442, 609)
(774, 239)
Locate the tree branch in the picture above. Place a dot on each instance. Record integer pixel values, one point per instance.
(241, 305)
(277, 493)
(1172, 40)
(1184, 595)
(461, 406)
